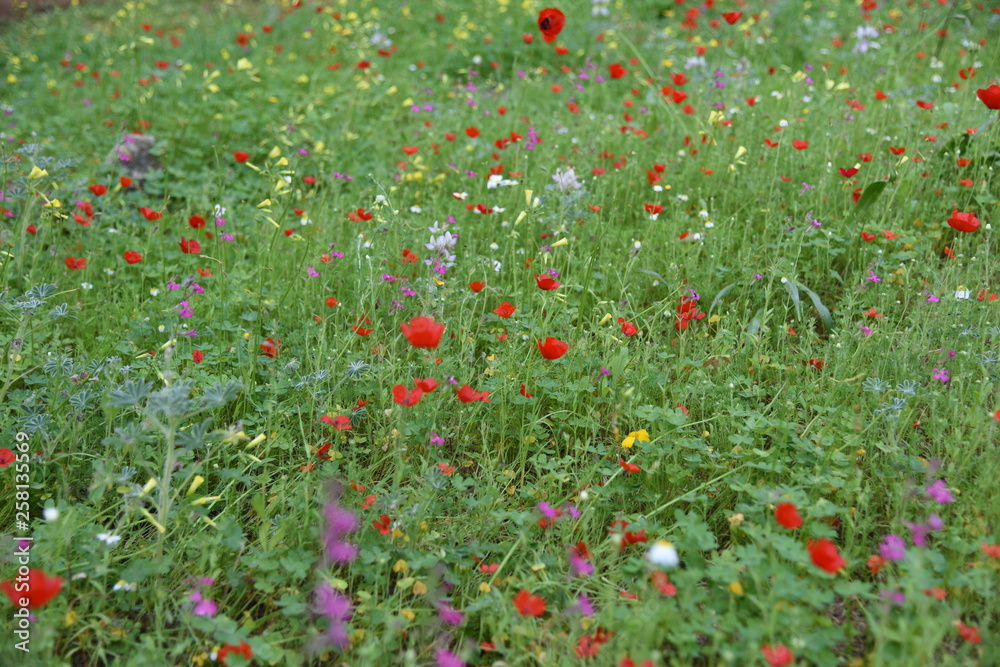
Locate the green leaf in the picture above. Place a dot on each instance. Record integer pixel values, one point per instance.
(824, 313)
(793, 291)
(869, 196)
(718, 297)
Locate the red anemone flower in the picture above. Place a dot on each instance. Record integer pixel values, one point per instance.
(132, 257)
(270, 348)
(552, 348)
(75, 263)
(550, 23)
(423, 332)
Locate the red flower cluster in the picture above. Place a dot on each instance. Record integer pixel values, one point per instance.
(687, 311)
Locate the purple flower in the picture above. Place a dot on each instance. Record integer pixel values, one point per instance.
(895, 597)
(893, 548)
(448, 614)
(336, 607)
(339, 523)
(203, 606)
(547, 510)
(934, 522)
(941, 374)
(580, 566)
(939, 493)
(585, 605)
(446, 658)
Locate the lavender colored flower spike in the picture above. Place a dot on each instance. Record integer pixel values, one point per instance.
(339, 523)
(336, 607)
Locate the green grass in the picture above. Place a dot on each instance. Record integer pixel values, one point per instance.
(841, 372)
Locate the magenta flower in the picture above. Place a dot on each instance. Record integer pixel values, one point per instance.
(339, 523)
(893, 548)
(939, 493)
(336, 607)
(448, 614)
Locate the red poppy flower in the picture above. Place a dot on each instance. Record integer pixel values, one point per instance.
(800, 145)
(963, 222)
(629, 467)
(38, 589)
(241, 156)
(825, 555)
(924, 105)
(426, 385)
(340, 422)
(360, 215)
(552, 348)
(75, 263)
(731, 17)
(847, 173)
(990, 96)
(361, 331)
(787, 515)
(504, 310)
(616, 71)
(150, 214)
(546, 282)
(190, 246)
(628, 328)
(477, 286)
(98, 189)
(875, 563)
(467, 394)
(550, 23)
(410, 150)
(472, 132)
(527, 603)
(243, 649)
(332, 301)
(524, 392)
(197, 356)
(383, 525)
(879, 95)
(204, 273)
(897, 150)
(423, 332)
(196, 222)
(31, 229)
(653, 209)
(777, 656)
(406, 397)
(132, 257)
(270, 348)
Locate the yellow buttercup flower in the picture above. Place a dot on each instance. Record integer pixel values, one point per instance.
(641, 436)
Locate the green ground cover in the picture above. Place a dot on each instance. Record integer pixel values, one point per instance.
(442, 333)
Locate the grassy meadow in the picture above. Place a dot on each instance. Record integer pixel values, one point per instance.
(490, 332)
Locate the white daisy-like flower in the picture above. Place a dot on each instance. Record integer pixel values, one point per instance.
(663, 554)
(109, 539)
(51, 514)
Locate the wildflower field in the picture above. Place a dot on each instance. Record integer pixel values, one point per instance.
(490, 332)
